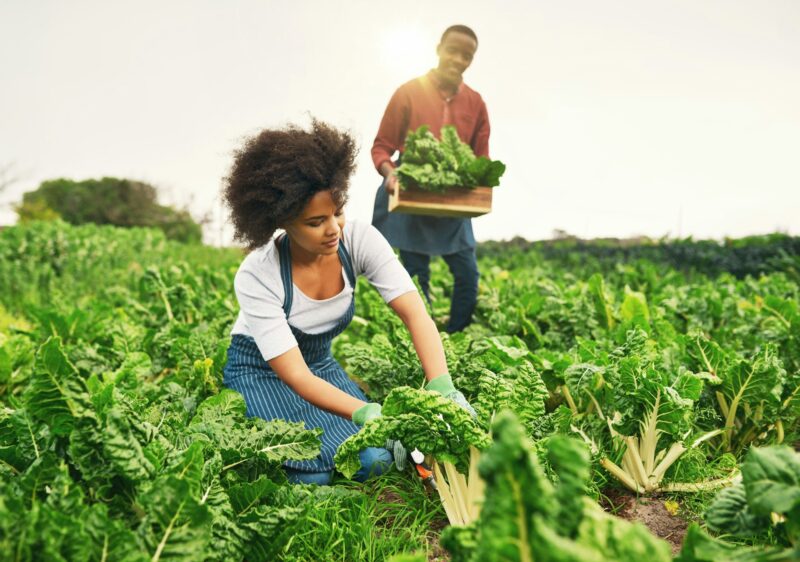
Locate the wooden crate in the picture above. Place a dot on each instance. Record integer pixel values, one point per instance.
(455, 202)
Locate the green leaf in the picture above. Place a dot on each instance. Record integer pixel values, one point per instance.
(136, 366)
(248, 495)
(221, 420)
(634, 310)
(699, 547)
(602, 307)
(227, 402)
(56, 394)
(176, 525)
(435, 165)
(730, 513)
(123, 449)
(772, 479)
(417, 418)
(571, 461)
(525, 517)
(612, 538)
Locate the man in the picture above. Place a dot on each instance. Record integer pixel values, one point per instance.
(438, 98)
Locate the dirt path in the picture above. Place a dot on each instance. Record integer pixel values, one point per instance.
(656, 514)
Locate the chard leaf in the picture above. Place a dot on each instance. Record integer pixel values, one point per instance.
(22, 439)
(436, 165)
(570, 460)
(689, 386)
(699, 547)
(123, 449)
(710, 357)
(583, 380)
(113, 540)
(634, 310)
(248, 495)
(176, 526)
(135, 367)
(772, 479)
(612, 538)
(516, 490)
(417, 418)
(603, 310)
(227, 402)
(519, 389)
(730, 513)
(270, 528)
(57, 395)
(221, 421)
(754, 382)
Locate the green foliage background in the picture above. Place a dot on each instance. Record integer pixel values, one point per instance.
(108, 200)
(118, 440)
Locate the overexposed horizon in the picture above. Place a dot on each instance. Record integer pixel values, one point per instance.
(615, 119)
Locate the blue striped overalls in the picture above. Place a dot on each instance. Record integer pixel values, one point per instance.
(268, 397)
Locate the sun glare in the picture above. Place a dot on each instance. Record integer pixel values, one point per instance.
(407, 51)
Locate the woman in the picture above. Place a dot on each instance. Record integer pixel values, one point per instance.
(296, 293)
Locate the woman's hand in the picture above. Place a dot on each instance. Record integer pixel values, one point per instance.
(366, 412)
(444, 385)
(370, 412)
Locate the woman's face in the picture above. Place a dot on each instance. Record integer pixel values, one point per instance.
(319, 227)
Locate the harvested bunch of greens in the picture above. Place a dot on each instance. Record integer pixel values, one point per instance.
(435, 165)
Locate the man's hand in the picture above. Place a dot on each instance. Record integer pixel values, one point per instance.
(390, 182)
(444, 386)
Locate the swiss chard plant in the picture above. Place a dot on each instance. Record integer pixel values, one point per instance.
(527, 517)
(419, 419)
(435, 165)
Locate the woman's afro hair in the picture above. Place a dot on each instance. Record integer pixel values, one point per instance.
(277, 172)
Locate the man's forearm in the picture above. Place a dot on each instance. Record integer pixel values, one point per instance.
(386, 168)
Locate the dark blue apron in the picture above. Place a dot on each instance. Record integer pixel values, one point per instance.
(268, 397)
(433, 236)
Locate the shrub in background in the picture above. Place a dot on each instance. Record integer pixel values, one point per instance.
(108, 200)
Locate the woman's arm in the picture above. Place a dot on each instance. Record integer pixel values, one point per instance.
(411, 310)
(291, 368)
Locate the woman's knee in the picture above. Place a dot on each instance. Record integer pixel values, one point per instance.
(374, 461)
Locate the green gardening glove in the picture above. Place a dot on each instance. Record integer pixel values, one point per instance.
(444, 385)
(371, 411)
(366, 412)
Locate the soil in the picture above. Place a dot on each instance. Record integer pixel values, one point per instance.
(436, 553)
(649, 511)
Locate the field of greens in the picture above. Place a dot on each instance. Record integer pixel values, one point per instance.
(634, 402)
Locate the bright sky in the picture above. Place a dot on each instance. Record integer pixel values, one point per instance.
(615, 118)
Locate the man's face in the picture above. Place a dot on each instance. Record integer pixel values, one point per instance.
(455, 55)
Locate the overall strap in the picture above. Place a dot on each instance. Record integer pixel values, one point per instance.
(344, 257)
(286, 271)
(286, 274)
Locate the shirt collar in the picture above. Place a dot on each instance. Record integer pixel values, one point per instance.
(438, 84)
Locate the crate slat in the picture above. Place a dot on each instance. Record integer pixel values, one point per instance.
(455, 202)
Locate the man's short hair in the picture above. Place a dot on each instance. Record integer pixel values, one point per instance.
(459, 29)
